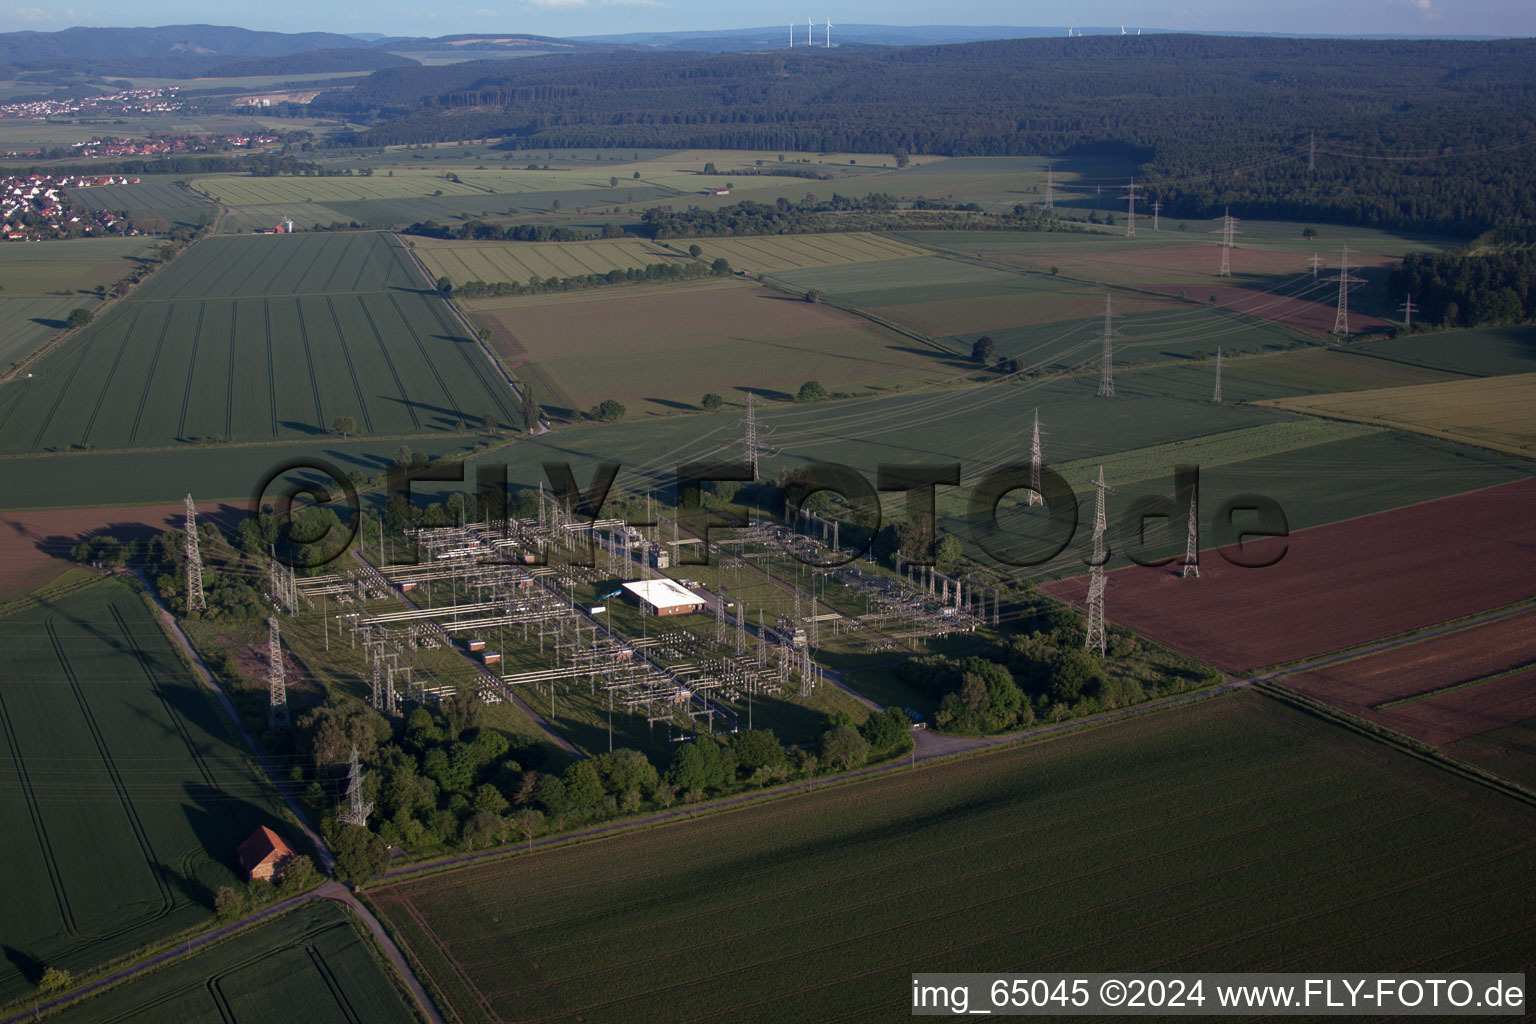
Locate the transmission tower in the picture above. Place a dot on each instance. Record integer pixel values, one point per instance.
(277, 688)
(1317, 262)
(1157, 207)
(1036, 460)
(1095, 637)
(1345, 279)
(1130, 220)
(1227, 233)
(1192, 545)
(1050, 189)
(1408, 309)
(195, 599)
(1107, 370)
(749, 443)
(1312, 152)
(1216, 397)
(358, 809)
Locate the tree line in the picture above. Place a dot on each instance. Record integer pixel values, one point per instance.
(1461, 289)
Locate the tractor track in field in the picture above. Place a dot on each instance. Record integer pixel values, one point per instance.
(106, 385)
(149, 375)
(186, 394)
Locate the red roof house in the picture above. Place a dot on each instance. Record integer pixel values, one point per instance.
(264, 855)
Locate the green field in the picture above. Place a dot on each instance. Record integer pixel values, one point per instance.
(1307, 371)
(1177, 841)
(1482, 352)
(126, 795)
(682, 341)
(156, 197)
(314, 960)
(521, 261)
(261, 338)
(1046, 323)
(36, 268)
(26, 321)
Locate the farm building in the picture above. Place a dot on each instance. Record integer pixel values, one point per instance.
(264, 855)
(664, 597)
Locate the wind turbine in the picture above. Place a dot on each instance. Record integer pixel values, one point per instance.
(791, 35)
(810, 23)
(829, 33)
(1122, 30)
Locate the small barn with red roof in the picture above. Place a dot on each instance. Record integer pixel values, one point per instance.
(264, 855)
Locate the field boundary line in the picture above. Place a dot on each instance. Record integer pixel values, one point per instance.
(1396, 740)
(1453, 687)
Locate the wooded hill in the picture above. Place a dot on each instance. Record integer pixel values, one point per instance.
(1411, 134)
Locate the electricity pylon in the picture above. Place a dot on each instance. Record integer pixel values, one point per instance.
(195, 598)
(1227, 233)
(1035, 462)
(1050, 189)
(1317, 262)
(1095, 637)
(751, 447)
(1345, 279)
(1216, 397)
(358, 809)
(1192, 545)
(1107, 368)
(1130, 220)
(1408, 309)
(277, 687)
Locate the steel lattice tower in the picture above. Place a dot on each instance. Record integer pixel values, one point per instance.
(1130, 222)
(1227, 234)
(1408, 309)
(1312, 152)
(749, 443)
(195, 599)
(1095, 638)
(1316, 262)
(1036, 460)
(277, 687)
(1216, 397)
(1345, 279)
(1192, 545)
(358, 809)
(1107, 370)
(1157, 208)
(1050, 189)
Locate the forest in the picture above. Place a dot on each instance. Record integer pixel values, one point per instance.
(1458, 289)
(1420, 135)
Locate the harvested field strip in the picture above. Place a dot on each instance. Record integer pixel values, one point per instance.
(1195, 840)
(1466, 711)
(1339, 586)
(1414, 669)
(1442, 690)
(1494, 412)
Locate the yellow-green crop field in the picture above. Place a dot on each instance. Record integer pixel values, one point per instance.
(1495, 412)
(235, 190)
(791, 252)
(521, 261)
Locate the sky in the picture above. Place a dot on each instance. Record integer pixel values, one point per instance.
(594, 17)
